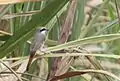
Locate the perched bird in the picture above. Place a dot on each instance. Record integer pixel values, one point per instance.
(37, 43)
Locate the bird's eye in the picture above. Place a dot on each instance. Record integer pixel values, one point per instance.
(39, 30)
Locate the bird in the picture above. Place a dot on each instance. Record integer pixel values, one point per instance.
(37, 43)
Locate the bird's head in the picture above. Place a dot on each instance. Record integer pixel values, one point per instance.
(42, 30)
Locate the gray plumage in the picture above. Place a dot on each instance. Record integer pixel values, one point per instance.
(37, 43)
(38, 40)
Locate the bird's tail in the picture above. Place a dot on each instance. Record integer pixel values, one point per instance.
(30, 59)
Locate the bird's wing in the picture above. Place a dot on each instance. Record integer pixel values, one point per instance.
(37, 43)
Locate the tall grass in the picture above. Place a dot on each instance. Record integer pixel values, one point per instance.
(93, 34)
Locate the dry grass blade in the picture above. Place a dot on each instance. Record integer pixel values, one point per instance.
(80, 72)
(64, 65)
(65, 32)
(7, 72)
(14, 15)
(96, 64)
(3, 2)
(19, 78)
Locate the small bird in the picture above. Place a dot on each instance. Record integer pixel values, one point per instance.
(37, 43)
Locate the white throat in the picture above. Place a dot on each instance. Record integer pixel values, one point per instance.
(43, 32)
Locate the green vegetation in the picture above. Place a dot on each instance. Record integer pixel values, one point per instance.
(76, 28)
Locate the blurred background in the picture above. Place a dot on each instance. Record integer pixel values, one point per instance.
(82, 43)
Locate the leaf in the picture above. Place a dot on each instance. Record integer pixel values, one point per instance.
(88, 40)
